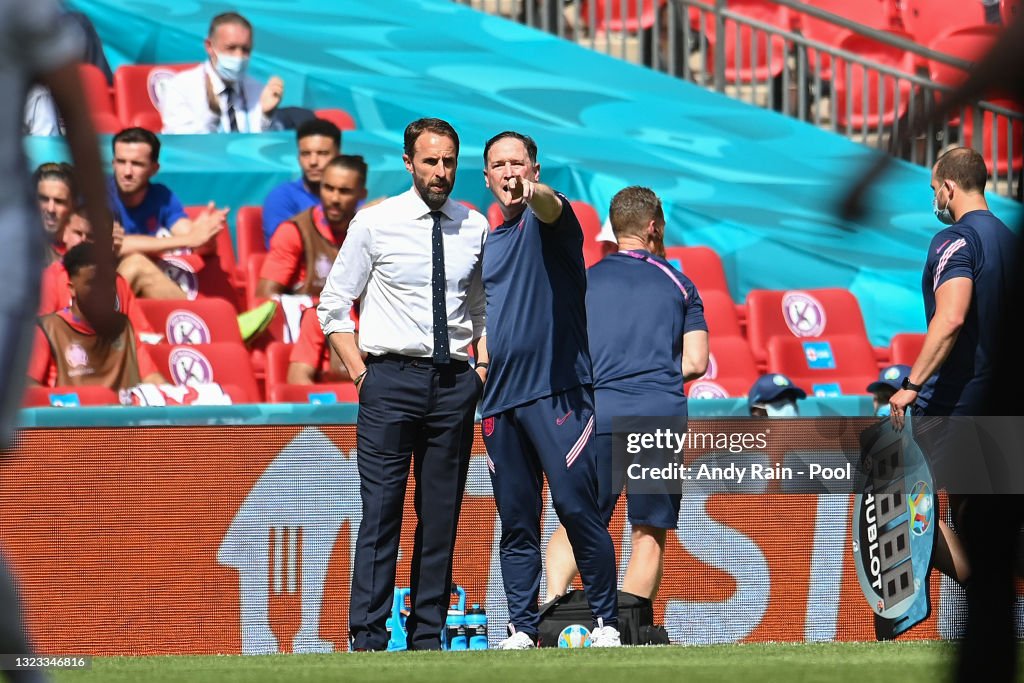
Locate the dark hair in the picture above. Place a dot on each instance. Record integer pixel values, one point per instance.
(632, 209)
(139, 135)
(54, 170)
(436, 126)
(531, 146)
(227, 18)
(321, 127)
(963, 166)
(352, 162)
(80, 256)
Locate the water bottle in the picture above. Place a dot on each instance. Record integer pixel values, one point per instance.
(396, 622)
(476, 626)
(457, 625)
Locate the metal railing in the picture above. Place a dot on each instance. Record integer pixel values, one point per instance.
(770, 65)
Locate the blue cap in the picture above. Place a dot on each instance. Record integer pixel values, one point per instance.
(890, 378)
(771, 387)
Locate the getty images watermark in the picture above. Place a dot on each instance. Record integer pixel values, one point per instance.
(659, 454)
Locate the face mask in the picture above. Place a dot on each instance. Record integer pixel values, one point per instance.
(943, 215)
(883, 410)
(782, 408)
(231, 68)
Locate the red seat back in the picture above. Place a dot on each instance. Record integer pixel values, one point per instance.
(925, 20)
(887, 97)
(800, 313)
(619, 15)
(730, 359)
(339, 117)
(224, 363)
(814, 363)
(720, 315)
(702, 265)
(278, 358)
(202, 321)
(138, 88)
(872, 13)
(99, 99)
(249, 233)
(904, 348)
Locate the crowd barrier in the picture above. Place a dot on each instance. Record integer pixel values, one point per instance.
(238, 538)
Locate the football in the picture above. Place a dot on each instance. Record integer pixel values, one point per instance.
(574, 636)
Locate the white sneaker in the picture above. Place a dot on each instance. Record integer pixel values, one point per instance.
(604, 636)
(518, 640)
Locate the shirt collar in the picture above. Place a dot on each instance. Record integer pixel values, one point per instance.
(219, 86)
(417, 208)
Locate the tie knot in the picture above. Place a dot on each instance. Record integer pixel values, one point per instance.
(437, 216)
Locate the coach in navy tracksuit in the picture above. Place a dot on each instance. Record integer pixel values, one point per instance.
(538, 405)
(647, 335)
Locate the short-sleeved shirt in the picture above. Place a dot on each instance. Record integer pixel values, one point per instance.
(638, 309)
(55, 296)
(979, 247)
(536, 285)
(283, 202)
(43, 368)
(286, 260)
(159, 211)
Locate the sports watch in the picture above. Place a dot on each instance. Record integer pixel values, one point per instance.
(907, 384)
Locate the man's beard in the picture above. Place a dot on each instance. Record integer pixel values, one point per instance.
(435, 199)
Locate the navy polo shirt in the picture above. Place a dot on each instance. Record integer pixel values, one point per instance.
(980, 247)
(637, 315)
(536, 287)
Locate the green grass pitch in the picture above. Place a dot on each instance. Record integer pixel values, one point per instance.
(768, 663)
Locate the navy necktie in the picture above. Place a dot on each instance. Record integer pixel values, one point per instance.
(438, 292)
(232, 119)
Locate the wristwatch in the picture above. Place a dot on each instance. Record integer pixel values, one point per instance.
(907, 384)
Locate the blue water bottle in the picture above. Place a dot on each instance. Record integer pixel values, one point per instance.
(396, 622)
(476, 626)
(457, 626)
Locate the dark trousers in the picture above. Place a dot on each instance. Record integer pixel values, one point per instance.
(554, 437)
(409, 408)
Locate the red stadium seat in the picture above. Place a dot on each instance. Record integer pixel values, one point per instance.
(887, 97)
(925, 21)
(720, 314)
(814, 363)
(619, 15)
(252, 278)
(702, 265)
(997, 153)
(746, 62)
(730, 360)
(339, 117)
(137, 90)
(593, 250)
(99, 99)
(494, 217)
(202, 321)
(871, 13)
(800, 313)
(42, 397)
(249, 233)
(220, 362)
(968, 43)
(278, 358)
(904, 348)
(718, 388)
(469, 205)
(225, 249)
(1011, 10)
(344, 392)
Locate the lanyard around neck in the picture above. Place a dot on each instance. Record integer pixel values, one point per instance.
(662, 267)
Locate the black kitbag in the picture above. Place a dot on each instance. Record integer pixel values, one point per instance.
(636, 619)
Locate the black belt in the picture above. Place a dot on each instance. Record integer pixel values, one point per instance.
(419, 361)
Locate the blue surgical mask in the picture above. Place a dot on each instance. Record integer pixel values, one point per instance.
(231, 68)
(782, 408)
(943, 214)
(883, 410)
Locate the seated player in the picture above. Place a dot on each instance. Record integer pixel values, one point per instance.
(889, 381)
(68, 352)
(156, 224)
(55, 295)
(774, 395)
(304, 247)
(319, 141)
(56, 196)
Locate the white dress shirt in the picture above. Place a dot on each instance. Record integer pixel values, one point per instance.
(385, 262)
(185, 108)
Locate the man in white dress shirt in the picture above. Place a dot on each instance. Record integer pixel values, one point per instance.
(415, 261)
(217, 96)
